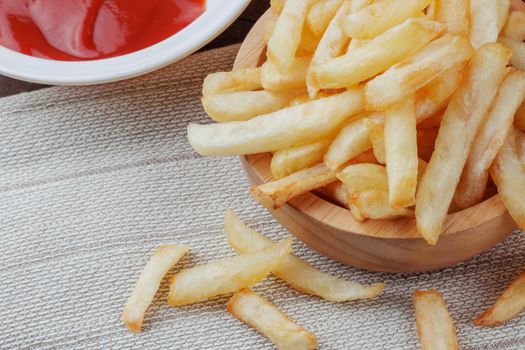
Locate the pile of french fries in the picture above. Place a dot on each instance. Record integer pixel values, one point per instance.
(257, 257)
(393, 108)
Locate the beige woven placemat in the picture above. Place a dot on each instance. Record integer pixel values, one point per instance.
(93, 178)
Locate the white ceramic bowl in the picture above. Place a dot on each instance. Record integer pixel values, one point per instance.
(219, 14)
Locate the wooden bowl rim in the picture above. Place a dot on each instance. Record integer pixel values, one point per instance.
(333, 215)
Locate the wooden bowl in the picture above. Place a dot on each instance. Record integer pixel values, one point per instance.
(378, 245)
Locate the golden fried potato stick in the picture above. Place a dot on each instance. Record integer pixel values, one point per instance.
(459, 126)
(321, 14)
(376, 129)
(294, 159)
(225, 275)
(380, 16)
(259, 313)
(407, 77)
(275, 194)
(515, 26)
(518, 51)
(294, 78)
(489, 139)
(277, 6)
(294, 271)
(454, 14)
(487, 18)
(244, 105)
(434, 325)
(279, 130)
(246, 79)
(287, 33)
(376, 56)
(508, 305)
(508, 174)
(400, 140)
(164, 258)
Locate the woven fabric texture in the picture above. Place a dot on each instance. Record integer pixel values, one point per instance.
(92, 179)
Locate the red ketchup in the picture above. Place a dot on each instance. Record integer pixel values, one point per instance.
(73, 30)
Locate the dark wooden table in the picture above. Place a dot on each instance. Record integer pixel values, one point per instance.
(234, 34)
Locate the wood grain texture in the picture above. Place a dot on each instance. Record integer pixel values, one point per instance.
(379, 245)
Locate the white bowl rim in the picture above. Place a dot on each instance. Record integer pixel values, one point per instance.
(219, 14)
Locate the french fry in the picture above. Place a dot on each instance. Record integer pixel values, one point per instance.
(489, 139)
(321, 14)
(376, 129)
(459, 125)
(268, 31)
(338, 193)
(426, 140)
(308, 44)
(291, 160)
(432, 122)
(400, 143)
(434, 325)
(407, 77)
(356, 5)
(380, 16)
(518, 52)
(164, 258)
(487, 18)
(331, 45)
(352, 140)
(519, 118)
(508, 174)
(515, 26)
(294, 271)
(367, 187)
(274, 79)
(287, 33)
(361, 63)
(244, 105)
(246, 79)
(454, 14)
(508, 305)
(265, 317)
(434, 97)
(282, 129)
(277, 6)
(226, 275)
(430, 11)
(276, 193)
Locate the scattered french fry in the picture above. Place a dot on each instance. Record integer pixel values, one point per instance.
(164, 258)
(508, 305)
(434, 325)
(244, 105)
(276, 193)
(407, 77)
(515, 26)
(489, 139)
(361, 63)
(226, 275)
(376, 129)
(487, 18)
(294, 78)
(246, 79)
(265, 317)
(287, 33)
(507, 171)
(294, 271)
(454, 14)
(460, 123)
(400, 142)
(380, 16)
(279, 130)
(518, 52)
(291, 160)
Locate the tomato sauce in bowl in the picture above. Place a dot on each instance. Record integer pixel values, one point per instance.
(76, 30)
